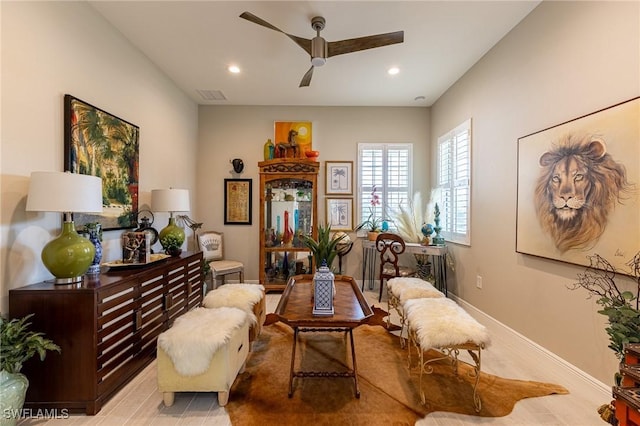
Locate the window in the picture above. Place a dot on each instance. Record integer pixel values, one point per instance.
(454, 182)
(388, 169)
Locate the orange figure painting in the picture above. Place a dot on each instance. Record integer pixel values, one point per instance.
(292, 138)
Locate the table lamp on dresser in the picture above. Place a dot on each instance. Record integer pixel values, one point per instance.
(69, 255)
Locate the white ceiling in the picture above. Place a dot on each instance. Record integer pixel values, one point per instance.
(193, 42)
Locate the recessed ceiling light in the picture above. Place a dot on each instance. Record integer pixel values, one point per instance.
(234, 69)
(393, 70)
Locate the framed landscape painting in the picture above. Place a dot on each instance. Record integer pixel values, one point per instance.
(578, 188)
(100, 144)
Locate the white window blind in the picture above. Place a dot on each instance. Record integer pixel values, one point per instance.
(454, 182)
(388, 169)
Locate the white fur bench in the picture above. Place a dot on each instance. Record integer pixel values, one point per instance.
(439, 323)
(248, 297)
(203, 352)
(401, 289)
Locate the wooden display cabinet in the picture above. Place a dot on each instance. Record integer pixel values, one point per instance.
(288, 193)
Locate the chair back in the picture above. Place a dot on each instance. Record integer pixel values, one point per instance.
(390, 247)
(211, 244)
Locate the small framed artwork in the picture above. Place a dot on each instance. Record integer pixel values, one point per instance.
(339, 213)
(237, 201)
(338, 178)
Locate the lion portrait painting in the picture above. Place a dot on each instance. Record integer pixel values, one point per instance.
(579, 185)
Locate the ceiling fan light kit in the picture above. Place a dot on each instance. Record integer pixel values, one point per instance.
(319, 49)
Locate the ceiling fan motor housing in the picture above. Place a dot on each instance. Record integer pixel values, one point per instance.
(318, 51)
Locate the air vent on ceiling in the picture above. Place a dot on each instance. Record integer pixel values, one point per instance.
(212, 95)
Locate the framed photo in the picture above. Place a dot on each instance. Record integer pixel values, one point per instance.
(100, 144)
(339, 213)
(292, 138)
(338, 177)
(237, 201)
(578, 188)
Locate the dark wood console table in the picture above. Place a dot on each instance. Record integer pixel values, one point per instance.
(106, 326)
(296, 309)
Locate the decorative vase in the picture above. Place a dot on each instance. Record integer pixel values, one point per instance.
(269, 150)
(174, 231)
(13, 389)
(69, 256)
(287, 235)
(94, 230)
(438, 239)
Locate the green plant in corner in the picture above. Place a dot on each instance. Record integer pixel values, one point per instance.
(325, 247)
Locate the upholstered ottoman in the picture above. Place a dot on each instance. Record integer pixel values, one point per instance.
(203, 352)
(248, 297)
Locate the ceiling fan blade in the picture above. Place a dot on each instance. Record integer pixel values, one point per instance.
(302, 42)
(306, 79)
(363, 43)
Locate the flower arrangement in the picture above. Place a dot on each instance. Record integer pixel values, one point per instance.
(373, 223)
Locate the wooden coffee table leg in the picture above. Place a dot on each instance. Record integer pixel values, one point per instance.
(293, 360)
(353, 358)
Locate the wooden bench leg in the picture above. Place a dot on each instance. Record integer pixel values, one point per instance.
(168, 398)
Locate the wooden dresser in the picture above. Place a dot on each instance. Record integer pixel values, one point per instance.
(106, 326)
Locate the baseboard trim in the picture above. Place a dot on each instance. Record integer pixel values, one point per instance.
(527, 344)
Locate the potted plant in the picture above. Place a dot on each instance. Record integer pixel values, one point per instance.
(325, 247)
(620, 306)
(373, 224)
(172, 244)
(17, 345)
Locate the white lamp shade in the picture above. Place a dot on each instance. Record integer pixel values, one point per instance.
(170, 200)
(64, 192)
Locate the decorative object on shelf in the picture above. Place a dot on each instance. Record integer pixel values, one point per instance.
(93, 230)
(427, 231)
(297, 135)
(339, 213)
(237, 201)
(170, 200)
(410, 219)
(136, 247)
(287, 234)
(338, 177)
(97, 143)
(145, 222)
(438, 239)
(69, 255)
(269, 150)
(238, 165)
(325, 248)
(18, 345)
(323, 290)
(599, 142)
(312, 155)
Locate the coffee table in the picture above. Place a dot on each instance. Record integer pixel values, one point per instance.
(295, 309)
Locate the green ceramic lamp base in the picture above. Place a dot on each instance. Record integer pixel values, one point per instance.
(69, 256)
(172, 236)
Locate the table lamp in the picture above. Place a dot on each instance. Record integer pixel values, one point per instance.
(68, 256)
(172, 201)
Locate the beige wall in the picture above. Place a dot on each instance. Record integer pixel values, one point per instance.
(240, 132)
(566, 59)
(53, 48)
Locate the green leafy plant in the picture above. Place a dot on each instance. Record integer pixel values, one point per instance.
(17, 344)
(619, 306)
(171, 243)
(325, 247)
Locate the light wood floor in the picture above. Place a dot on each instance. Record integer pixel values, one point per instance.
(139, 403)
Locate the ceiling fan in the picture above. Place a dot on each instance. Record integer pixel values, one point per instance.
(319, 49)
